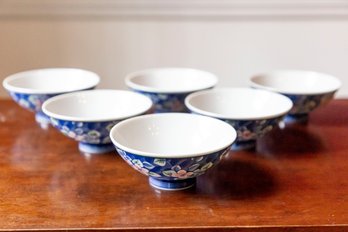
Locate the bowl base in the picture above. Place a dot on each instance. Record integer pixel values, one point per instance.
(173, 185)
(42, 120)
(296, 118)
(243, 145)
(95, 148)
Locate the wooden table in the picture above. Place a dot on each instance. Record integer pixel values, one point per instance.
(297, 180)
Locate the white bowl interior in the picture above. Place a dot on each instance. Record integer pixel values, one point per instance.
(297, 82)
(238, 103)
(171, 80)
(55, 80)
(97, 105)
(172, 135)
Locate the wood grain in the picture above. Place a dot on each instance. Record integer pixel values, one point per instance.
(296, 180)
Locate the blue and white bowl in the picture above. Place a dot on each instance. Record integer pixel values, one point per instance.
(172, 149)
(88, 116)
(168, 87)
(251, 112)
(307, 90)
(30, 89)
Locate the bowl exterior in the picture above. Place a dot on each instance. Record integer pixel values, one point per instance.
(86, 132)
(252, 129)
(166, 102)
(303, 104)
(172, 169)
(32, 102)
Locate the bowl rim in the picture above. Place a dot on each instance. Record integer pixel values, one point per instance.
(222, 116)
(253, 84)
(6, 82)
(147, 106)
(144, 88)
(227, 145)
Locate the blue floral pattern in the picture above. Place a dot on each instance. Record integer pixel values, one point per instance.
(303, 104)
(32, 102)
(164, 102)
(253, 129)
(86, 132)
(172, 168)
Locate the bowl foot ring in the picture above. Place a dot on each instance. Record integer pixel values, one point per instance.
(172, 185)
(296, 118)
(42, 120)
(95, 148)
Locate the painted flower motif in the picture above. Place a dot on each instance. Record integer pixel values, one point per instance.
(93, 137)
(172, 169)
(245, 134)
(138, 165)
(181, 174)
(174, 105)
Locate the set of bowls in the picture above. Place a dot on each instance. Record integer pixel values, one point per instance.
(193, 126)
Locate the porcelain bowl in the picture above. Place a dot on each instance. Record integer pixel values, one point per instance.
(31, 88)
(251, 112)
(307, 90)
(172, 149)
(88, 116)
(168, 87)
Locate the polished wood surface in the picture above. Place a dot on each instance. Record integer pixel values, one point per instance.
(296, 180)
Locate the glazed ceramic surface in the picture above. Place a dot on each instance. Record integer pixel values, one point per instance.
(88, 116)
(31, 88)
(307, 90)
(172, 148)
(251, 112)
(168, 87)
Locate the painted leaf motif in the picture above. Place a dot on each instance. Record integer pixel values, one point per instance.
(137, 163)
(160, 162)
(148, 165)
(207, 166)
(153, 174)
(169, 173)
(193, 167)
